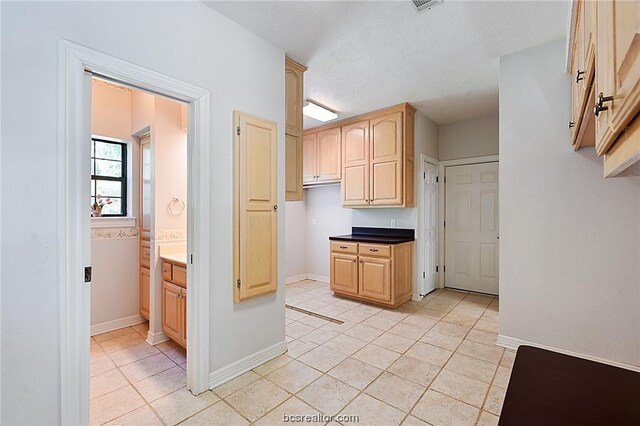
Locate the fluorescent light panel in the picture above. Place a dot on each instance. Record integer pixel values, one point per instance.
(318, 112)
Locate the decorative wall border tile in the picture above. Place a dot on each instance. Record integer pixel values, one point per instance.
(179, 234)
(114, 233)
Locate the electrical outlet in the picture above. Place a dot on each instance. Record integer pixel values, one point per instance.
(393, 223)
(313, 221)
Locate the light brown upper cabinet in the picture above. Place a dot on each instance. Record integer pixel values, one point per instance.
(355, 167)
(294, 93)
(378, 152)
(255, 207)
(605, 38)
(582, 67)
(322, 152)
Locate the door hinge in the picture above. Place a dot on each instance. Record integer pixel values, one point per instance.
(238, 130)
(238, 283)
(191, 258)
(424, 275)
(444, 268)
(87, 274)
(445, 179)
(445, 223)
(436, 268)
(424, 175)
(437, 179)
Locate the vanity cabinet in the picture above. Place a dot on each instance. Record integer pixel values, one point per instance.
(375, 273)
(294, 93)
(174, 302)
(605, 65)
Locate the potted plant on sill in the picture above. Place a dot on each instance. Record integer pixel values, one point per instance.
(98, 204)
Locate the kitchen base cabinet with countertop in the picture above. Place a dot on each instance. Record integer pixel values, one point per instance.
(373, 265)
(174, 298)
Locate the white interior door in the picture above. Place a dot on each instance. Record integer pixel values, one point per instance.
(430, 220)
(471, 228)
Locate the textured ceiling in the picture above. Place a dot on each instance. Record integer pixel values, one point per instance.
(367, 55)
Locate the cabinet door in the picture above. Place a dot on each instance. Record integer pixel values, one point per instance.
(255, 208)
(293, 100)
(145, 281)
(172, 311)
(618, 68)
(375, 278)
(310, 157)
(355, 167)
(183, 317)
(329, 155)
(293, 168)
(344, 273)
(386, 160)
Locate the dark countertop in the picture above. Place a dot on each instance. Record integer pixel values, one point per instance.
(377, 235)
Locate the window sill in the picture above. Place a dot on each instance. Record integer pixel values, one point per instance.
(113, 222)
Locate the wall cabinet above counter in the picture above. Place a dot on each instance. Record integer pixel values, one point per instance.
(604, 61)
(371, 156)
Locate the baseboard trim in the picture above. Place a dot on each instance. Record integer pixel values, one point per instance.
(319, 278)
(513, 343)
(105, 327)
(239, 367)
(295, 278)
(155, 338)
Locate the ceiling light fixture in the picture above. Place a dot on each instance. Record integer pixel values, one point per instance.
(318, 112)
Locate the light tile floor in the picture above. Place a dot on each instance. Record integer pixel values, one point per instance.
(429, 362)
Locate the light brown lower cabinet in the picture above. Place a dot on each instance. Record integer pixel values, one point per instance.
(174, 303)
(145, 284)
(374, 273)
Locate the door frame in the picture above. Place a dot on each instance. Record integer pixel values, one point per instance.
(420, 290)
(74, 248)
(442, 188)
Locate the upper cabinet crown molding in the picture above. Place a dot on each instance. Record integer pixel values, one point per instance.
(605, 66)
(294, 94)
(376, 157)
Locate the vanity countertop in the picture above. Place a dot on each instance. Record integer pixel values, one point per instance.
(377, 235)
(180, 258)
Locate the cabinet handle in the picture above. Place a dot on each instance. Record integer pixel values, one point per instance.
(374, 250)
(579, 76)
(572, 124)
(344, 247)
(599, 106)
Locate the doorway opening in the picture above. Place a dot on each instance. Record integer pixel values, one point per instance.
(78, 66)
(138, 247)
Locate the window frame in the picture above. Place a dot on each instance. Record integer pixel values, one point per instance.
(123, 179)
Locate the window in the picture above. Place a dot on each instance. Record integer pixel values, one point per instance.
(109, 175)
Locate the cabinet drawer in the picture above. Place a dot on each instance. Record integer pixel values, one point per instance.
(145, 253)
(344, 247)
(180, 275)
(166, 271)
(375, 250)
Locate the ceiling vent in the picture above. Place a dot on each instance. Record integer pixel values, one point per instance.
(425, 4)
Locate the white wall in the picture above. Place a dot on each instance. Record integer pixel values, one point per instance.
(570, 240)
(470, 138)
(114, 255)
(296, 238)
(242, 72)
(324, 204)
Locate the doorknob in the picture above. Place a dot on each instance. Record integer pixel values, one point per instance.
(275, 207)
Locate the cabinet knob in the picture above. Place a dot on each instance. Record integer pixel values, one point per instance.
(600, 105)
(579, 76)
(361, 261)
(572, 124)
